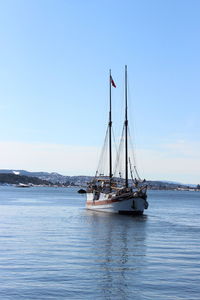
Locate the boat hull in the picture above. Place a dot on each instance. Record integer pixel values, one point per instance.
(133, 206)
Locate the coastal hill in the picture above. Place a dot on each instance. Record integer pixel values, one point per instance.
(9, 178)
(45, 178)
(53, 177)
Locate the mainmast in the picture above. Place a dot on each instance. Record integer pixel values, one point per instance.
(110, 129)
(126, 131)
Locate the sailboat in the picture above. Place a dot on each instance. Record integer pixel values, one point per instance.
(113, 193)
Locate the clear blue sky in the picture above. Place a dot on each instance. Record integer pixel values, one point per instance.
(54, 62)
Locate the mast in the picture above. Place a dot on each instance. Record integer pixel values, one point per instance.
(110, 130)
(126, 131)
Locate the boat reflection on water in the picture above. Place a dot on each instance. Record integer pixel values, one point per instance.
(119, 251)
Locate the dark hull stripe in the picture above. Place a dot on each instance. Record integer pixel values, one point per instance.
(103, 202)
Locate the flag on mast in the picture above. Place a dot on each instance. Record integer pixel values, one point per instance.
(112, 82)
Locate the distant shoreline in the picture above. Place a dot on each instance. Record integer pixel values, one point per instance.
(16, 177)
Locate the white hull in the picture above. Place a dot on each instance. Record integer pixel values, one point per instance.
(134, 205)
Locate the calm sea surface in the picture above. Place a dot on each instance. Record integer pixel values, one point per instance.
(52, 248)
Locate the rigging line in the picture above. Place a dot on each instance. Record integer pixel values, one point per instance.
(137, 173)
(104, 160)
(131, 113)
(117, 157)
(119, 161)
(131, 171)
(114, 142)
(103, 152)
(132, 146)
(134, 158)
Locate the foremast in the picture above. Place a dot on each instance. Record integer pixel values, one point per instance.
(111, 84)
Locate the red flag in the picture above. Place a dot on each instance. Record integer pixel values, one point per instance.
(112, 82)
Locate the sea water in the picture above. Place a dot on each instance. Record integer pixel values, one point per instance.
(51, 247)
